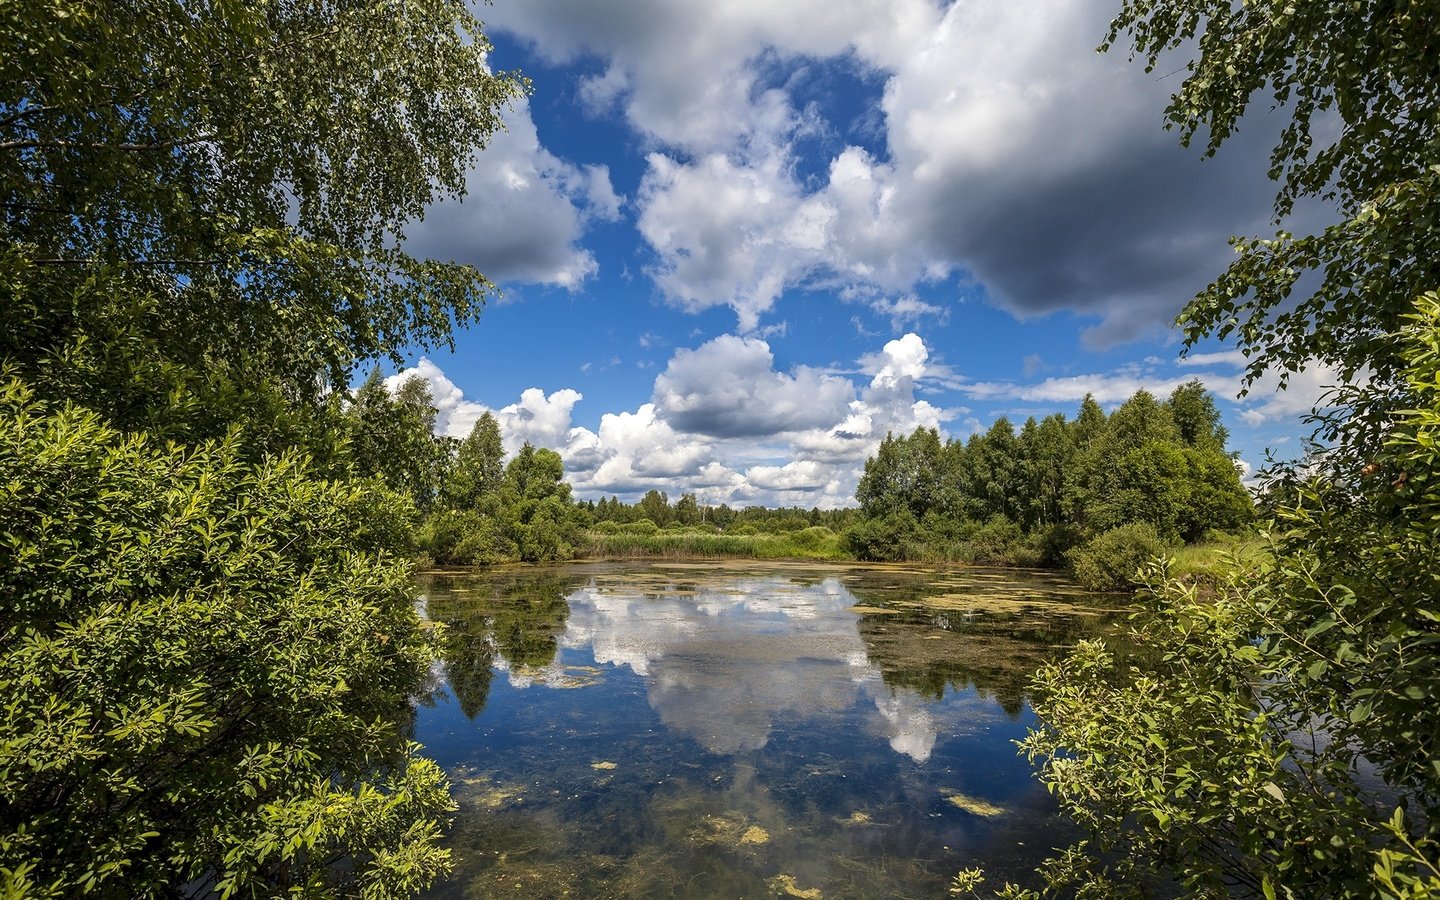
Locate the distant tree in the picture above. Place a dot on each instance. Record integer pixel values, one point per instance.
(655, 506)
(479, 465)
(1047, 451)
(903, 474)
(687, 510)
(1196, 416)
(535, 506)
(392, 437)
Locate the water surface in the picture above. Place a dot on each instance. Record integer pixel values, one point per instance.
(743, 730)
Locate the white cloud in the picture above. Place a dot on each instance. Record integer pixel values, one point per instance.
(1012, 152)
(524, 212)
(543, 421)
(1231, 358)
(725, 425)
(728, 388)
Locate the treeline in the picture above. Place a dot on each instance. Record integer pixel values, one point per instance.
(1151, 472)
(655, 508)
(478, 508)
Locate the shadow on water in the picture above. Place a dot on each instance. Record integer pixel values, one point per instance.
(727, 730)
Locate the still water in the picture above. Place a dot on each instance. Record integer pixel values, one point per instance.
(743, 730)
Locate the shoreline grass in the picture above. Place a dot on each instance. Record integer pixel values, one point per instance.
(685, 545)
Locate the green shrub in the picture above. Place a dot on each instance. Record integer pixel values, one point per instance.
(891, 538)
(205, 661)
(999, 542)
(644, 526)
(1112, 561)
(811, 538)
(1054, 542)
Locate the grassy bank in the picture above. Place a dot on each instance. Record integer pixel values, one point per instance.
(806, 544)
(1210, 563)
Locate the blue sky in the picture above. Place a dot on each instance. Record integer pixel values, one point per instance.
(740, 242)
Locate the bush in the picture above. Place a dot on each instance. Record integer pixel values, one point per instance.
(644, 526)
(205, 661)
(811, 538)
(999, 542)
(891, 538)
(1112, 561)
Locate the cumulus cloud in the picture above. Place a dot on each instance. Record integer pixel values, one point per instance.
(541, 420)
(1010, 151)
(524, 212)
(728, 387)
(724, 424)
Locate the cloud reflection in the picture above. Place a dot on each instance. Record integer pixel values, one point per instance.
(726, 666)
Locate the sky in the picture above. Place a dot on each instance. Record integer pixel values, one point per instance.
(740, 242)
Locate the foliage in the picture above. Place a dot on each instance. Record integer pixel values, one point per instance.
(1283, 743)
(206, 666)
(1027, 498)
(1114, 561)
(392, 438)
(1356, 85)
(675, 544)
(200, 205)
(525, 514)
(208, 644)
(479, 465)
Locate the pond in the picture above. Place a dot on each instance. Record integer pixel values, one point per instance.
(743, 730)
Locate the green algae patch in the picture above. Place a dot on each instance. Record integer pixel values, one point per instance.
(729, 830)
(973, 805)
(785, 886)
(478, 790)
(876, 611)
(604, 766)
(564, 678)
(755, 835)
(858, 817)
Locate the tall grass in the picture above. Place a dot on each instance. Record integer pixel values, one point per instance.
(1208, 564)
(682, 545)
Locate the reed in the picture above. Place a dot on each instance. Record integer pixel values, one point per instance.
(683, 545)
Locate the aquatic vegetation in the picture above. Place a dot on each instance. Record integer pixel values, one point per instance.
(785, 886)
(973, 805)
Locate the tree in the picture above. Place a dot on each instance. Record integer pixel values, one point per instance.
(219, 194)
(535, 505)
(479, 465)
(655, 506)
(393, 437)
(687, 510)
(208, 635)
(903, 474)
(1235, 760)
(1196, 417)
